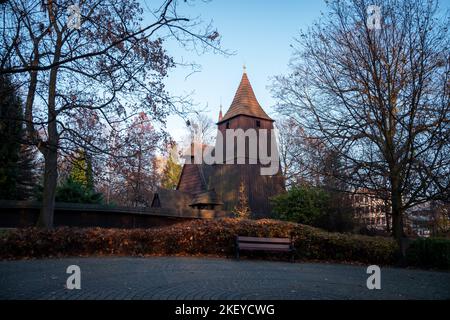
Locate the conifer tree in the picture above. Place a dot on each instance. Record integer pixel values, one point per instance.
(16, 159)
(171, 174)
(242, 210)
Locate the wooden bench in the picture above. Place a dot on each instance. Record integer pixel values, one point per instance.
(264, 244)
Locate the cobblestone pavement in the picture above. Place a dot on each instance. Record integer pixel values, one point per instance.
(211, 278)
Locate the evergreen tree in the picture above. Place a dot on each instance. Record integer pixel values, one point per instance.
(78, 187)
(26, 178)
(171, 174)
(75, 192)
(16, 160)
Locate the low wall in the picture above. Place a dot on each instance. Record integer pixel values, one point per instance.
(18, 214)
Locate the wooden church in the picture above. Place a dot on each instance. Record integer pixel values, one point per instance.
(217, 186)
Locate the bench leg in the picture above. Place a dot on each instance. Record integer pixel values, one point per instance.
(237, 254)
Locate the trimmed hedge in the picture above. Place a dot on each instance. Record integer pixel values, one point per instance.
(198, 237)
(429, 253)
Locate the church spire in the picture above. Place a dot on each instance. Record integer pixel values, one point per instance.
(220, 113)
(245, 102)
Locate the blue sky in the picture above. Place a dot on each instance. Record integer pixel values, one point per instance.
(260, 34)
(258, 31)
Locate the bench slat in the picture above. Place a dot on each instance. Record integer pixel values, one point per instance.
(266, 250)
(264, 246)
(263, 240)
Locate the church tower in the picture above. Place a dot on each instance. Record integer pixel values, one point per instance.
(218, 185)
(246, 113)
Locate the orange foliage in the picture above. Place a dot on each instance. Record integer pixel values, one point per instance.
(197, 237)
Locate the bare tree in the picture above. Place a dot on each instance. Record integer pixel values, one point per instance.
(201, 129)
(102, 72)
(301, 156)
(135, 177)
(378, 97)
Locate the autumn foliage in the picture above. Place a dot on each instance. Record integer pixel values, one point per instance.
(197, 237)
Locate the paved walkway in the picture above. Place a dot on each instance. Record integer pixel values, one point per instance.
(211, 278)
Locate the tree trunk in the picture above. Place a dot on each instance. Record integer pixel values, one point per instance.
(31, 132)
(397, 217)
(48, 198)
(397, 222)
(388, 216)
(50, 149)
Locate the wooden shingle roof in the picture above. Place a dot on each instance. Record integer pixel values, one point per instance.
(208, 197)
(245, 103)
(171, 199)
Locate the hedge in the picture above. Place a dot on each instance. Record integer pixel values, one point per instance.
(429, 253)
(198, 237)
(3, 232)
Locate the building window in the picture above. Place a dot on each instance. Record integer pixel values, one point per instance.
(258, 124)
(228, 125)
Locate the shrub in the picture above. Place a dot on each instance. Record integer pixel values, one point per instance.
(315, 207)
(3, 232)
(432, 252)
(198, 237)
(303, 204)
(369, 231)
(336, 219)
